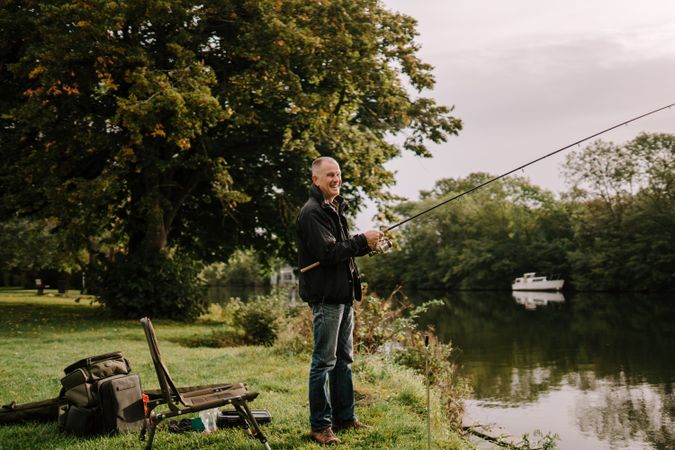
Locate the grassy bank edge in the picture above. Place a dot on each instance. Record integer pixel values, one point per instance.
(44, 334)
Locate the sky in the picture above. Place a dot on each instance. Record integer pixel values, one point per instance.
(529, 76)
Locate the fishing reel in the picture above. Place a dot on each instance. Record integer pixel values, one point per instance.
(383, 246)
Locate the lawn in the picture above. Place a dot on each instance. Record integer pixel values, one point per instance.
(42, 335)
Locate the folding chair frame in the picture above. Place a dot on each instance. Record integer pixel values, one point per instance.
(172, 397)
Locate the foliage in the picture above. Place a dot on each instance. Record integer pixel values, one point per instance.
(614, 230)
(164, 124)
(256, 322)
(381, 326)
(243, 268)
(296, 336)
(478, 242)
(134, 286)
(437, 362)
(541, 441)
(261, 319)
(381, 323)
(35, 245)
(624, 214)
(222, 314)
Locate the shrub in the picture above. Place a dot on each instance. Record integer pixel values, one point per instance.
(261, 318)
(257, 322)
(223, 313)
(380, 324)
(159, 286)
(383, 326)
(442, 371)
(243, 268)
(218, 338)
(296, 336)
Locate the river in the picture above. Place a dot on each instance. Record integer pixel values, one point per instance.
(596, 369)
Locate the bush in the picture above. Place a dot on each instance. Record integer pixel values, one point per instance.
(261, 318)
(158, 286)
(243, 268)
(297, 334)
(223, 314)
(442, 372)
(382, 326)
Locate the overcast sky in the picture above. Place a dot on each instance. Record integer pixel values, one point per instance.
(529, 76)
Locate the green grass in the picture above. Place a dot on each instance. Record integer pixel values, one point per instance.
(42, 335)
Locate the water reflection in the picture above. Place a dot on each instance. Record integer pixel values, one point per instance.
(598, 369)
(617, 413)
(533, 299)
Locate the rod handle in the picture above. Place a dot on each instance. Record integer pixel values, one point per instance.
(310, 267)
(426, 340)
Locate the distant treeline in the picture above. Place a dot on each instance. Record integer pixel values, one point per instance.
(613, 230)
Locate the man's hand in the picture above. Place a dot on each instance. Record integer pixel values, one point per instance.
(373, 237)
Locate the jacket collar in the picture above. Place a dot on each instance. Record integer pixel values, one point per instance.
(316, 193)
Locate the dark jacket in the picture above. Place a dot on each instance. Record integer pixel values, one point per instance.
(323, 236)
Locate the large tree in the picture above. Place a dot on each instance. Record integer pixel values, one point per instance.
(165, 124)
(624, 214)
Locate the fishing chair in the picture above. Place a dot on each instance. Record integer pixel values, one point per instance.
(182, 401)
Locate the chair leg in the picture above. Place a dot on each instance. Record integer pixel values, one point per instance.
(244, 417)
(141, 437)
(249, 415)
(149, 418)
(151, 437)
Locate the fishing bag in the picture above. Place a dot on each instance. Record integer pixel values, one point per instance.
(100, 396)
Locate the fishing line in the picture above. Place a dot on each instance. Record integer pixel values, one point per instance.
(396, 225)
(528, 164)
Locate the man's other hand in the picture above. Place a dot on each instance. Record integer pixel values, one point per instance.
(373, 237)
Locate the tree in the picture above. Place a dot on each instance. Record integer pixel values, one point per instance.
(244, 268)
(32, 247)
(168, 126)
(623, 200)
(479, 242)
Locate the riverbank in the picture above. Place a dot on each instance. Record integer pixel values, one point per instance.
(44, 334)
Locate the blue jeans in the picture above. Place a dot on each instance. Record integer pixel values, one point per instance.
(331, 366)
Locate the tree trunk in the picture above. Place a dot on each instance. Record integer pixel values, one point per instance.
(156, 232)
(156, 198)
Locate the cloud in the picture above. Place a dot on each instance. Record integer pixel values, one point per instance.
(528, 77)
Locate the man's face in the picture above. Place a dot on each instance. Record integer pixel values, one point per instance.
(328, 179)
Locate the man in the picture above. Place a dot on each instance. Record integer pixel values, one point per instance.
(330, 289)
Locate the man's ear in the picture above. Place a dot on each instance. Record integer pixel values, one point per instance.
(314, 178)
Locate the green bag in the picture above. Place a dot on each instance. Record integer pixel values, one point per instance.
(100, 366)
(99, 396)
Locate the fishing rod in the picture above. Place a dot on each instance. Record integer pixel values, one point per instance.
(387, 244)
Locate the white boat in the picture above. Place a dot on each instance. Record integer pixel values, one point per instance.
(531, 282)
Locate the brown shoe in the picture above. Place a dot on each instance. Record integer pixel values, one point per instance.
(325, 436)
(349, 425)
